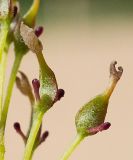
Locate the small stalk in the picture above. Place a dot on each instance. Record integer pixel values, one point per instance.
(39, 109)
(32, 136)
(73, 146)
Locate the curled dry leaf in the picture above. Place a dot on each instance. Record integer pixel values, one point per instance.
(24, 86)
(30, 39)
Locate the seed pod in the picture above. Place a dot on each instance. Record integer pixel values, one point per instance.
(48, 84)
(93, 113)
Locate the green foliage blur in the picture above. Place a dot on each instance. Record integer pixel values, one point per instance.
(71, 9)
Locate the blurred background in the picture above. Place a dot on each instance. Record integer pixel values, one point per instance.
(81, 38)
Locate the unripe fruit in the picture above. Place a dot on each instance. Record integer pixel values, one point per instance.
(93, 113)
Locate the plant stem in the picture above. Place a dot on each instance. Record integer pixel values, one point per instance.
(7, 102)
(3, 58)
(32, 136)
(3, 35)
(14, 71)
(73, 146)
(2, 78)
(2, 147)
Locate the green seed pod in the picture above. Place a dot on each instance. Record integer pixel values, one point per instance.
(48, 84)
(93, 113)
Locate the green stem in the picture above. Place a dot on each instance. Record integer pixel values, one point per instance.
(3, 58)
(2, 78)
(6, 103)
(3, 35)
(73, 146)
(14, 71)
(32, 136)
(2, 147)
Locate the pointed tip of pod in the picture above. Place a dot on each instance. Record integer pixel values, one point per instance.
(115, 75)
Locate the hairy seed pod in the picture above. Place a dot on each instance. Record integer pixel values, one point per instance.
(93, 113)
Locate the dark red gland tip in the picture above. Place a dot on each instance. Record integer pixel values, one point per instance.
(17, 126)
(36, 86)
(100, 128)
(36, 83)
(38, 31)
(60, 94)
(45, 135)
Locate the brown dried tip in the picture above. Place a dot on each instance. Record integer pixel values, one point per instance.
(100, 128)
(116, 74)
(30, 39)
(23, 83)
